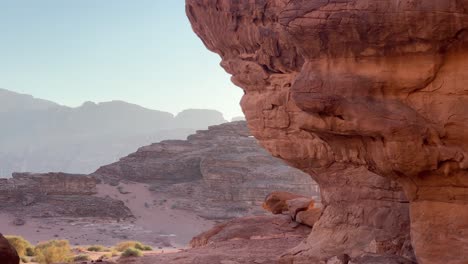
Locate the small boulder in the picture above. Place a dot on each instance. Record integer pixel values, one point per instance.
(276, 202)
(299, 204)
(309, 217)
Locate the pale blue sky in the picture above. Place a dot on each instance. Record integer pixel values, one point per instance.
(140, 51)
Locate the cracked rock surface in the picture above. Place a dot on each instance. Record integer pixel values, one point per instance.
(370, 99)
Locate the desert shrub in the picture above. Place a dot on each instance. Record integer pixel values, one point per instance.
(81, 258)
(20, 244)
(131, 252)
(122, 246)
(30, 251)
(146, 248)
(53, 251)
(98, 248)
(24, 260)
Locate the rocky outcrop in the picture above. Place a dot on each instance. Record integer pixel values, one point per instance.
(55, 183)
(259, 239)
(218, 173)
(57, 194)
(8, 254)
(369, 98)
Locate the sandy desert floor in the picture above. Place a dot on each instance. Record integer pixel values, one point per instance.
(155, 223)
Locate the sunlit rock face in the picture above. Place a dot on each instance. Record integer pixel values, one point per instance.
(368, 97)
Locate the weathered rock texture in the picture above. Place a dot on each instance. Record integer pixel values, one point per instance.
(365, 96)
(57, 194)
(218, 173)
(259, 239)
(8, 254)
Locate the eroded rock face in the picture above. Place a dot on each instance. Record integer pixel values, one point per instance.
(218, 173)
(365, 96)
(57, 195)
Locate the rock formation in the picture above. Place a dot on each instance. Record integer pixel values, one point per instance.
(217, 173)
(57, 195)
(369, 98)
(259, 239)
(8, 254)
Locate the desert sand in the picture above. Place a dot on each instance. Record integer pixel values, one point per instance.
(155, 223)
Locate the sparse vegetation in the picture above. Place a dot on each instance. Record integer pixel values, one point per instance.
(20, 244)
(147, 248)
(24, 260)
(98, 248)
(53, 251)
(30, 251)
(131, 252)
(122, 246)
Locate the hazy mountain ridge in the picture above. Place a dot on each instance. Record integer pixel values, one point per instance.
(41, 136)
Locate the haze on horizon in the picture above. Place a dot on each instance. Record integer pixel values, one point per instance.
(140, 52)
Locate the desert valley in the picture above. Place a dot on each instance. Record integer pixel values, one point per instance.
(354, 148)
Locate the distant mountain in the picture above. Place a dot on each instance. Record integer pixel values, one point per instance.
(41, 136)
(10, 101)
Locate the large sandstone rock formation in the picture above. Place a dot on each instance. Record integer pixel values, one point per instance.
(217, 173)
(368, 97)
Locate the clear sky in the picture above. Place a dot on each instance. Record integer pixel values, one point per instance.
(140, 51)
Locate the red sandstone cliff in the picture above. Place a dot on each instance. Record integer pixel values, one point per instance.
(369, 98)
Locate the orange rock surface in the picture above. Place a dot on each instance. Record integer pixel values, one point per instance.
(369, 98)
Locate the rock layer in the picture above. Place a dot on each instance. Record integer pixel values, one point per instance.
(258, 239)
(368, 97)
(218, 173)
(57, 195)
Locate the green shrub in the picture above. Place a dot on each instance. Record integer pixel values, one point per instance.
(131, 252)
(53, 251)
(98, 248)
(30, 251)
(81, 258)
(20, 244)
(147, 248)
(122, 246)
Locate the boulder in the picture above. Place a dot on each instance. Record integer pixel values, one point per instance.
(8, 254)
(277, 202)
(299, 204)
(308, 217)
